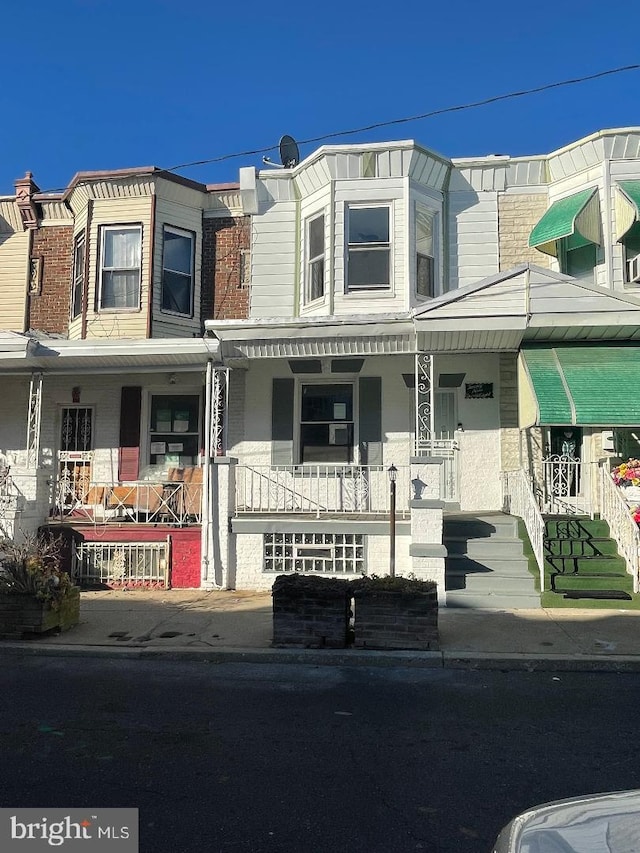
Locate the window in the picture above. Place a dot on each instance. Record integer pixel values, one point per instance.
(579, 261)
(315, 259)
(631, 243)
(326, 423)
(425, 265)
(369, 248)
(120, 267)
(177, 271)
(339, 553)
(77, 285)
(174, 432)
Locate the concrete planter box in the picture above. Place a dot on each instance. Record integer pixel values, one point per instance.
(24, 614)
(405, 617)
(310, 612)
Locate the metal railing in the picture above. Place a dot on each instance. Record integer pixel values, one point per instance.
(174, 503)
(320, 489)
(8, 503)
(446, 449)
(566, 486)
(518, 499)
(119, 564)
(616, 512)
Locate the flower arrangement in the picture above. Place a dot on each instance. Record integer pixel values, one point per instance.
(627, 474)
(635, 512)
(33, 569)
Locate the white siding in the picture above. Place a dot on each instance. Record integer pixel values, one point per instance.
(14, 272)
(273, 260)
(473, 237)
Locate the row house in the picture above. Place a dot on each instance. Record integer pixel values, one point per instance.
(460, 334)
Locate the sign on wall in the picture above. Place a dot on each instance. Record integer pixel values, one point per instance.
(478, 390)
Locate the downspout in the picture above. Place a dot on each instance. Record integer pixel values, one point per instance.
(87, 256)
(152, 243)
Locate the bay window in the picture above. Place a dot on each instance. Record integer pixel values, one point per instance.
(369, 248)
(120, 267)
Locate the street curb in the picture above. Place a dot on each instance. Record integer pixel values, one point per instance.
(459, 660)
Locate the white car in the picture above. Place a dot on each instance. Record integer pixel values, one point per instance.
(597, 823)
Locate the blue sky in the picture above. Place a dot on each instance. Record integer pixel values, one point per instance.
(104, 84)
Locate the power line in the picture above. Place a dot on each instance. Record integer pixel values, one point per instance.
(390, 123)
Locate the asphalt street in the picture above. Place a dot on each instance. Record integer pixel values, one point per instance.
(264, 758)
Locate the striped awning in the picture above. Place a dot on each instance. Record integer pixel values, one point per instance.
(575, 218)
(627, 206)
(581, 385)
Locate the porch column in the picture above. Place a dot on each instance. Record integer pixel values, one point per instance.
(216, 486)
(34, 416)
(425, 410)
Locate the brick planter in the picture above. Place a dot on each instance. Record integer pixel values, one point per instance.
(310, 612)
(396, 614)
(24, 614)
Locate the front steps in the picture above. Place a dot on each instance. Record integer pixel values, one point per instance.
(582, 563)
(486, 566)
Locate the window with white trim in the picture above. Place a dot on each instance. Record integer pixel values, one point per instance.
(77, 284)
(314, 282)
(368, 247)
(177, 271)
(326, 422)
(120, 266)
(425, 254)
(631, 245)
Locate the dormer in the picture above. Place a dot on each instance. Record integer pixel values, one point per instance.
(350, 230)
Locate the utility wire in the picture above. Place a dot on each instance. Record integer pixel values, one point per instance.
(407, 119)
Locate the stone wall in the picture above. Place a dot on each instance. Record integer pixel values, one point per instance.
(517, 216)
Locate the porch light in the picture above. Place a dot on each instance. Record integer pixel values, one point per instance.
(392, 471)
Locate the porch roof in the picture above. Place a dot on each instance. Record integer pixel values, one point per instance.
(366, 334)
(108, 355)
(581, 385)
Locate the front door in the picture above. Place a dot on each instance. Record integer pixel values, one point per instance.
(75, 455)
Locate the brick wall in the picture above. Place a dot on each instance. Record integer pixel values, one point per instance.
(224, 295)
(517, 216)
(49, 312)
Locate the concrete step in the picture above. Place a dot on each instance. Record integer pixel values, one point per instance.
(480, 526)
(496, 566)
(492, 601)
(495, 546)
(495, 585)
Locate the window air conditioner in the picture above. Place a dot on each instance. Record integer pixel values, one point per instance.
(633, 269)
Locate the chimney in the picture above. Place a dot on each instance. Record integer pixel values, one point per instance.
(25, 190)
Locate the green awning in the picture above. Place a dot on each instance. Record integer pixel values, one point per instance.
(585, 385)
(627, 206)
(576, 217)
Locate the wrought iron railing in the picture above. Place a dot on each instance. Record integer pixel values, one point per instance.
(320, 489)
(518, 499)
(174, 503)
(567, 486)
(121, 564)
(616, 512)
(8, 503)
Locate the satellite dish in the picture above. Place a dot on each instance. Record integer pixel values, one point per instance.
(289, 154)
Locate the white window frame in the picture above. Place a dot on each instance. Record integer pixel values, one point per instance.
(180, 232)
(104, 230)
(422, 210)
(349, 247)
(146, 433)
(311, 261)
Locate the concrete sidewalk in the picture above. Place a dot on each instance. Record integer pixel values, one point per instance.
(229, 625)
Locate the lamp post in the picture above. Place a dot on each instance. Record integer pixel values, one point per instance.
(393, 474)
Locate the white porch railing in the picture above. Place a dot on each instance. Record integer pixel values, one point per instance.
(446, 449)
(518, 499)
(122, 563)
(567, 486)
(615, 511)
(320, 489)
(175, 503)
(8, 503)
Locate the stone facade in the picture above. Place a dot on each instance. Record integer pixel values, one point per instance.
(517, 216)
(509, 431)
